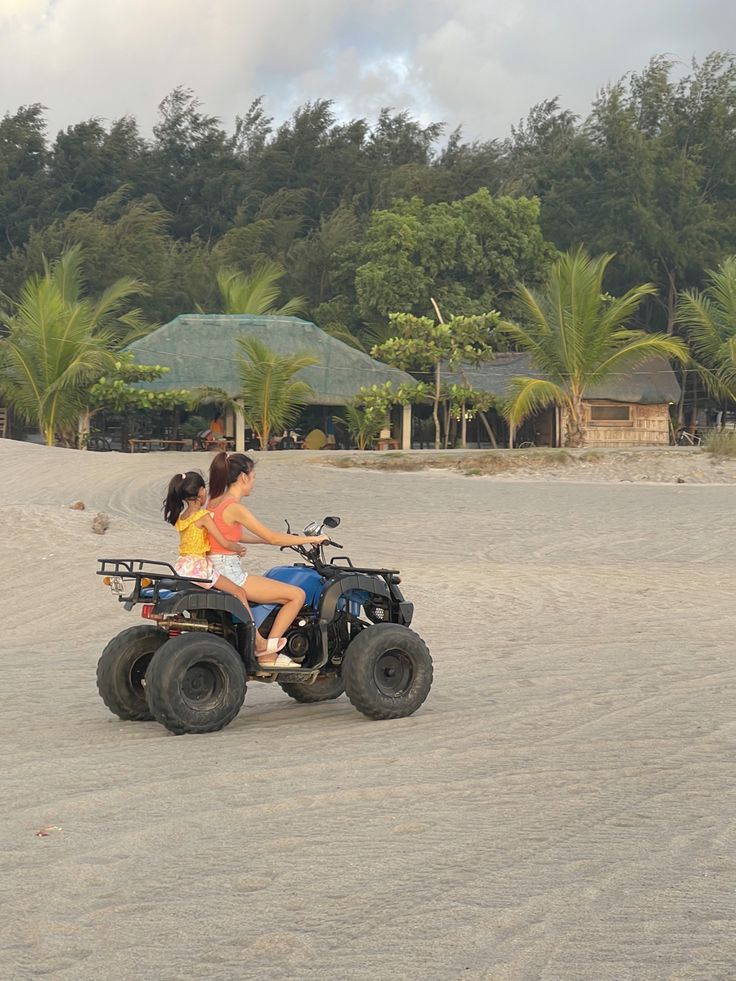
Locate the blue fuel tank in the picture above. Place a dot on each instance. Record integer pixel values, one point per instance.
(307, 579)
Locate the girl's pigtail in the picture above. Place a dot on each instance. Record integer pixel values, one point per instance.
(174, 502)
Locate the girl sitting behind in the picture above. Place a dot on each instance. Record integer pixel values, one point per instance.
(184, 509)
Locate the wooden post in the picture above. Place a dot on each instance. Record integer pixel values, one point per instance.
(229, 421)
(83, 429)
(437, 386)
(406, 427)
(239, 428)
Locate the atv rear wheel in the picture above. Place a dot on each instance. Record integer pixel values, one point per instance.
(324, 688)
(387, 671)
(195, 683)
(121, 671)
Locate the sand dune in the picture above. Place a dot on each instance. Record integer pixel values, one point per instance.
(561, 808)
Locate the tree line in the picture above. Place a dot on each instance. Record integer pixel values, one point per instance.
(371, 217)
(371, 230)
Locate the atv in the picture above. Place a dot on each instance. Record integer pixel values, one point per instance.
(188, 665)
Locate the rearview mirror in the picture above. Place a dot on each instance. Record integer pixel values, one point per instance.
(331, 522)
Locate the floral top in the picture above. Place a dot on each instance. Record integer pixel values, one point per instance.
(193, 540)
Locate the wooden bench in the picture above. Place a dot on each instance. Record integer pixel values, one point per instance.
(162, 444)
(206, 443)
(184, 444)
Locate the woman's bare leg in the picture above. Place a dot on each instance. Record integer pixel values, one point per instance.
(290, 598)
(228, 586)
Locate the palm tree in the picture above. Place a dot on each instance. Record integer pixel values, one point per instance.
(59, 343)
(257, 293)
(270, 396)
(105, 312)
(576, 336)
(361, 426)
(709, 320)
(368, 337)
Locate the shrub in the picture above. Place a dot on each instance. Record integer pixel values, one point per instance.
(721, 444)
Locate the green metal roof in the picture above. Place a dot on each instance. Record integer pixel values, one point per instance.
(201, 351)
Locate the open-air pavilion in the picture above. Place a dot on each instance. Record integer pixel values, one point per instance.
(201, 351)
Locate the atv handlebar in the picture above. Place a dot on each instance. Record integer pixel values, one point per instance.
(313, 552)
(307, 550)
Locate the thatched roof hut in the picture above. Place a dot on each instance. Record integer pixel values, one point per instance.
(630, 408)
(652, 383)
(201, 350)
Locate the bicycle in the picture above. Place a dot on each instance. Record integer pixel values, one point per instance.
(685, 438)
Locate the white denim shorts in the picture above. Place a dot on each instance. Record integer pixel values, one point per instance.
(228, 566)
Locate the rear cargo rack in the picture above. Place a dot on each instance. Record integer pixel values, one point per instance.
(162, 575)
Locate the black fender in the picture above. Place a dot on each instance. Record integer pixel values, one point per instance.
(191, 600)
(201, 599)
(346, 583)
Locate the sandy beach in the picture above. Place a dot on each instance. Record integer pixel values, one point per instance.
(562, 808)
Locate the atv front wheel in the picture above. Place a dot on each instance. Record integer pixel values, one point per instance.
(325, 687)
(195, 683)
(121, 671)
(387, 671)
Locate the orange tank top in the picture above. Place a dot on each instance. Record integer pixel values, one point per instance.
(230, 532)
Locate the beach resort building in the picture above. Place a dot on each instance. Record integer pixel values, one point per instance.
(201, 351)
(627, 410)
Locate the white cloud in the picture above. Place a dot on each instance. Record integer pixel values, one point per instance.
(477, 62)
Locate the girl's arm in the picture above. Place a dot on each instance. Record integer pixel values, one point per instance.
(236, 512)
(214, 532)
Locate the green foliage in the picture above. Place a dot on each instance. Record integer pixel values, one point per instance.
(419, 343)
(464, 399)
(709, 321)
(361, 424)
(197, 167)
(24, 186)
(60, 342)
(577, 337)
(315, 261)
(271, 398)
(257, 293)
(721, 445)
(368, 412)
(373, 216)
(468, 254)
(422, 344)
(118, 391)
(650, 175)
(193, 426)
(120, 240)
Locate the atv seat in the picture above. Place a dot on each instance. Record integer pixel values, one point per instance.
(169, 588)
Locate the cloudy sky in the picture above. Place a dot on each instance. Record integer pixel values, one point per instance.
(476, 63)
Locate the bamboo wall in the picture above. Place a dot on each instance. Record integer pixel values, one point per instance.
(648, 425)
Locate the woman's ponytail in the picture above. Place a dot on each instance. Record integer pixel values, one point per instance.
(225, 470)
(219, 475)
